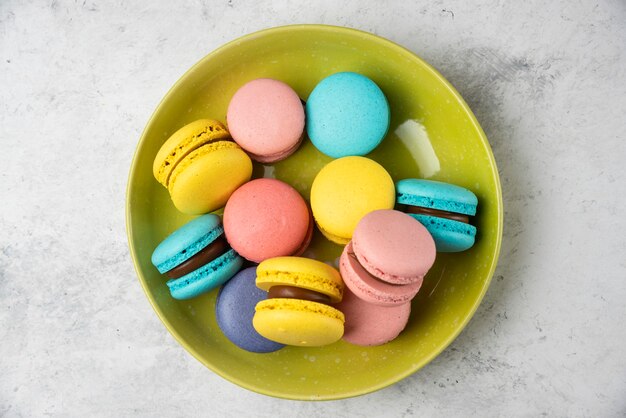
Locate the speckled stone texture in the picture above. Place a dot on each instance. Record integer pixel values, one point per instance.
(78, 82)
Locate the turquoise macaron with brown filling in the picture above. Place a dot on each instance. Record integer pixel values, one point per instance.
(196, 258)
(446, 210)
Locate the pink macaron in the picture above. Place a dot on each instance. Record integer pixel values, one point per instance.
(369, 324)
(267, 218)
(388, 257)
(266, 118)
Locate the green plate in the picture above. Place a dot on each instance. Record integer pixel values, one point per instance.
(441, 140)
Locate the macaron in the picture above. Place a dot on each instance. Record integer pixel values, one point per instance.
(201, 166)
(444, 209)
(234, 310)
(344, 191)
(347, 114)
(196, 257)
(368, 324)
(298, 308)
(387, 259)
(266, 118)
(267, 218)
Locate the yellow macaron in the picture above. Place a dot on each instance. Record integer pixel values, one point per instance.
(201, 166)
(298, 309)
(344, 191)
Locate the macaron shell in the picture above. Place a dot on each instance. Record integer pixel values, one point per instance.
(301, 272)
(347, 189)
(392, 246)
(234, 310)
(298, 322)
(370, 289)
(186, 242)
(449, 236)
(184, 141)
(266, 118)
(347, 114)
(368, 324)
(207, 277)
(207, 177)
(436, 195)
(266, 218)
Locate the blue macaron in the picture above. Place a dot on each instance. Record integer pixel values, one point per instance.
(234, 311)
(347, 114)
(196, 257)
(443, 208)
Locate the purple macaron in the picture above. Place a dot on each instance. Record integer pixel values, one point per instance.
(234, 310)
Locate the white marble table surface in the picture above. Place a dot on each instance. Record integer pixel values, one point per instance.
(78, 82)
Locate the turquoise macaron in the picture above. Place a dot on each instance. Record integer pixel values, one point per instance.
(444, 209)
(347, 114)
(196, 257)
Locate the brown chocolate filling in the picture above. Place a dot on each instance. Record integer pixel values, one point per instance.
(205, 256)
(293, 292)
(418, 210)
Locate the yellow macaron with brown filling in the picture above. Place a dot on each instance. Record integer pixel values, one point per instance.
(298, 309)
(201, 166)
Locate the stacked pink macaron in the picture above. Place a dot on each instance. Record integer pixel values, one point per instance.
(383, 268)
